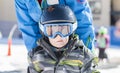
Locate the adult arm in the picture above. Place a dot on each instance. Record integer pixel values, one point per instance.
(28, 21)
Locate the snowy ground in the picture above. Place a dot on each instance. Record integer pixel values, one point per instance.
(17, 62)
(114, 65)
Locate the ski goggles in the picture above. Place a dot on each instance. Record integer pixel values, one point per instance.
(62, 29)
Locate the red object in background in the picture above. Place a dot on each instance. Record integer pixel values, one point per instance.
(9, 47)
(39, 1)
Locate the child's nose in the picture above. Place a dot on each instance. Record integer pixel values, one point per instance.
(58, 36)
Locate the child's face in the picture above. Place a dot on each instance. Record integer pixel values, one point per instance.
(59, 41)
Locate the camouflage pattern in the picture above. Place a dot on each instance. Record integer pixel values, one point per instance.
(75, 58)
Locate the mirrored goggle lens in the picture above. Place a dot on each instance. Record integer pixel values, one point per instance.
(53, 30)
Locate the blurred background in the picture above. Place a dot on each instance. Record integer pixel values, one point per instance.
(13, 53)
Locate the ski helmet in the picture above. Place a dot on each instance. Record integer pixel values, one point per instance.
(103, 30)
(57, 16)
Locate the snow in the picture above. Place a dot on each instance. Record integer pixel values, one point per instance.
(16, 61)
(113, 70)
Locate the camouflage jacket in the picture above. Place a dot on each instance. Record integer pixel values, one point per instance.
(74, 58)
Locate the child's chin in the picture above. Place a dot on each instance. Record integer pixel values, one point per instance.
(60, 46)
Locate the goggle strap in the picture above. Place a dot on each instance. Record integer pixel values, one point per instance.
(41, 27)
(74, 26)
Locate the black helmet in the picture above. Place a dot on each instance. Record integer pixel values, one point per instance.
(58, 14)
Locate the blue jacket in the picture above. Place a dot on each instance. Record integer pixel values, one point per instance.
(28, 14)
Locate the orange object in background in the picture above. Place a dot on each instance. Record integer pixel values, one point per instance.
(9, 47)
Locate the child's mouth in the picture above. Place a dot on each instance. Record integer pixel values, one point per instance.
(60, 41)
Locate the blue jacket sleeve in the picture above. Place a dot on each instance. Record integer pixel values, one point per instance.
(84, 17)
(28, 24)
